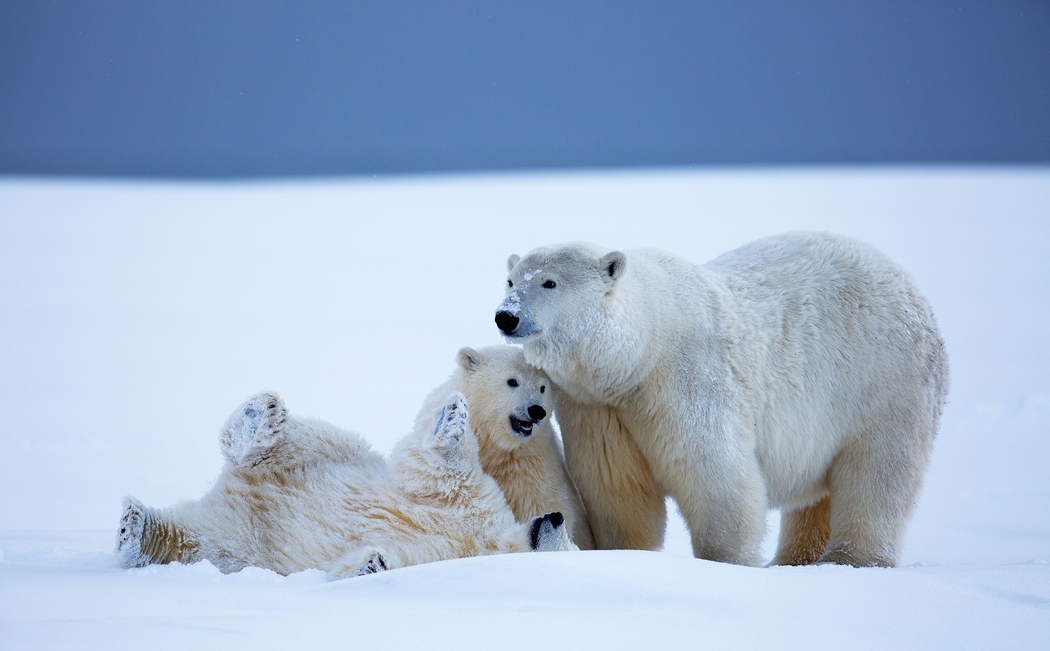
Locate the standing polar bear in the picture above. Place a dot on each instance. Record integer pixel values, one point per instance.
(516, 441)
(298, 493)
(803, 371)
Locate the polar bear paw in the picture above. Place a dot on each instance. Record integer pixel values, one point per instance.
(252, 429)
(375, 564)
(548, 534)
(453, 423)
(361, 562)
(848, 554)
(129, 536)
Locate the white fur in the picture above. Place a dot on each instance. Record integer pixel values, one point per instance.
(529, 469)
(795, 371)
(299, 493)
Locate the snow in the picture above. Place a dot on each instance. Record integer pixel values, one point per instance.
(136, 315)
(512, 303)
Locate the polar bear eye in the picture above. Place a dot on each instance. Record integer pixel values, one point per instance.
(512, 382)
(542, 388)
(549, 284)
(510, 283)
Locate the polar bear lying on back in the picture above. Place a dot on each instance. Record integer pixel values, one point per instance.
(803, 372)
(298, 493)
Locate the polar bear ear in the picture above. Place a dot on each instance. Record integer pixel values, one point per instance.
(468, 359)
(612, 266)
(512, 260)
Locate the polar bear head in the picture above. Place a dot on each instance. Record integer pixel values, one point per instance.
(551, 288)
(507, 396)
(578, 314)
(561, 306)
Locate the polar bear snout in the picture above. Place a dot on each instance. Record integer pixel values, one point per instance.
(523, 426)
(506, 322)
(537, 413)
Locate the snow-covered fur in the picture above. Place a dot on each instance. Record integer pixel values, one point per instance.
(517, 444)
(298, 493)
(803, 371)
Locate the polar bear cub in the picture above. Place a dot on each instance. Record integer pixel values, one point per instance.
(298, 493)
(517, 444)
(803, 371)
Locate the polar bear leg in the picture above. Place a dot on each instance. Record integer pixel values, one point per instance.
(155, 536)
(874, 485)
(722, 497)
(252, 429)
(625, 506)
(804, 534)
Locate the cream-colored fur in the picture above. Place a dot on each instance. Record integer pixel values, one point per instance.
(527, 465)
(298, 493)
(795, 370)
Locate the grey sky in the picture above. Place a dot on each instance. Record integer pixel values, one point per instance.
(241, 88)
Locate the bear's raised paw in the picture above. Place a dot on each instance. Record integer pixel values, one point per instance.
(453, 421)
(252, 429)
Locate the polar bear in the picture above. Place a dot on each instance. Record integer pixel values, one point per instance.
(298, 493)
(516, 441)
(803, 372)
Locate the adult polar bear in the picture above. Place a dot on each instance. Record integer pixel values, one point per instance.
(802, 371)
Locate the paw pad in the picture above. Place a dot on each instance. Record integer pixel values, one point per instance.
(129, 535)
(453, 421)
(253, 428)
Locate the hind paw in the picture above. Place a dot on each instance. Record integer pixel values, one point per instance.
(129, 536)
(253, 428)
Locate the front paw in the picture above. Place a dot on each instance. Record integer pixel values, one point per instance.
(548, 534)
(361, 562)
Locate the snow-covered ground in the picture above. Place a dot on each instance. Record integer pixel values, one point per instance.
(135, 316)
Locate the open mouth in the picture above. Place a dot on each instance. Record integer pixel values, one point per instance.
(521, 427)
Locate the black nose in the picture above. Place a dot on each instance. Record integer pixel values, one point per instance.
(506, 322)
(536, 413)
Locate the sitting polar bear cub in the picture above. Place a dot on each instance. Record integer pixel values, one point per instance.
(516, 441)
(803, 371)
(299, 493)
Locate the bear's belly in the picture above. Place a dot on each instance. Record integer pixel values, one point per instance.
(795, 449)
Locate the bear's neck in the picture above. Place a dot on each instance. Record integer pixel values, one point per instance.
(600, 357)
(494, 459)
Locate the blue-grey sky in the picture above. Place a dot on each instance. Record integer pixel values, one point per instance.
(243, 88)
